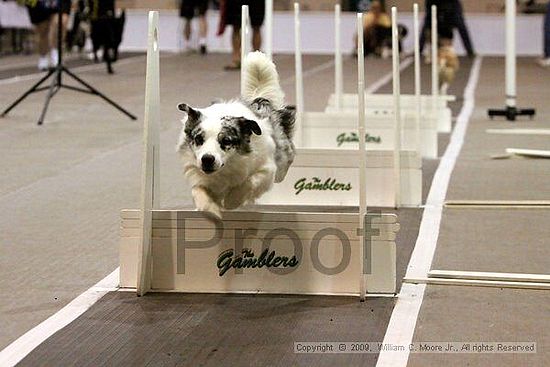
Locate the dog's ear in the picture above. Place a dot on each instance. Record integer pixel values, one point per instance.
(249, 126)
(192, 117)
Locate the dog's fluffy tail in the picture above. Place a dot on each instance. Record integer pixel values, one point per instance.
(261, 79)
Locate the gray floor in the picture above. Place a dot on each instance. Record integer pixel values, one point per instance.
(504, 240)
(46, 205)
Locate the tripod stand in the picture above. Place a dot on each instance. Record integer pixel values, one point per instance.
(57, 81)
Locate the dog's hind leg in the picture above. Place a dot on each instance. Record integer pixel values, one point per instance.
(204, 202)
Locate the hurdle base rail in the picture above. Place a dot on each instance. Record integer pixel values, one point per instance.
(408, 102)
(186, 259)
(331, 177)
(511, 113)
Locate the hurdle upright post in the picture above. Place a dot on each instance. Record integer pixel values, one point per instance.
(299, 76)
(150, 169)
(435, 62)
(362, 150)
(397, 109)
(338, 71)
(244, 40)
(417, 81)
(268, 39)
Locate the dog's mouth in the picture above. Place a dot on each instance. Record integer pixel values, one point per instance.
(210, 170)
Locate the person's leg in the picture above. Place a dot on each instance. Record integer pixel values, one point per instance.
(236, 49)
(203, 29)
(43, 35)
(53, 35)
(202, 7)
(256, 38)
(187, 29)
(464, 34)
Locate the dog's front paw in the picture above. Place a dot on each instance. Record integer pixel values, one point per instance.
(205, 203)
(234, 199)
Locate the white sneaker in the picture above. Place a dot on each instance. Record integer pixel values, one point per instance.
(43, 63)
(54, 57)
(545, 63)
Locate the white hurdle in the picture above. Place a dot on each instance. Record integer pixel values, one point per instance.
(362, 131)
(394, 173)
(150, 186)
(286, 251)
(244, 41)
(298, 126)
(435, 61)
(339, 101)
(268, 38)
(338, 70)
(417, 80)
(396, 108)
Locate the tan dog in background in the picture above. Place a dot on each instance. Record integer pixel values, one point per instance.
(448, 64)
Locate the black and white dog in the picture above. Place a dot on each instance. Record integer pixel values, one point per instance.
(234, 151)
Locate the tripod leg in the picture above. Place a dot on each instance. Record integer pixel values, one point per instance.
(31, 90)
(98, 93)
(53, 89)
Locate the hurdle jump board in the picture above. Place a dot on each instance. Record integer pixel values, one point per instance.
(331, 177)
(381, 101)
(321, 251)
(339, 130)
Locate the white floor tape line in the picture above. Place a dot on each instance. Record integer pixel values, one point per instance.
(402, 324)
(16, 351)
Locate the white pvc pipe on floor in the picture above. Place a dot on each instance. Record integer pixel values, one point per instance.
(298, 76)
(244, 40)
(397, 108)
(338, 71)
(362, 145)
(511, 53)
(417, 85)
(268, 42)
(435, 75)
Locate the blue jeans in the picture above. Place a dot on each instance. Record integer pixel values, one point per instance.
(547, 32)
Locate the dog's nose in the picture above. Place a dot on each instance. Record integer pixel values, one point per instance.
(207, 161)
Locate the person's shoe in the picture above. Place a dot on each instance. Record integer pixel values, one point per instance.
(54, 57)
(203, 49)
(545, 63)
(43, 63)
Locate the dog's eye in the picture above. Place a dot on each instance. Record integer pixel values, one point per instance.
(226, 141)
(198, 140)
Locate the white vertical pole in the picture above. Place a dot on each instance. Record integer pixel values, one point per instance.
(362, 147)
(338, 71)
(244, 40)
(150, 172)
(269, 28)
(435, 64)
(417, 86)
(299, 76)
(511, 53)
(397, 109)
